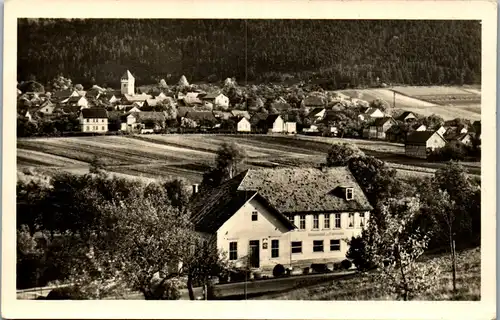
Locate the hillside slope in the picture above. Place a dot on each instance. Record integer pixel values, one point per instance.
(344, 52)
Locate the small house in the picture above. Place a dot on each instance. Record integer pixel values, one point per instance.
(146, 121)
(419, 142)
(379, 128)
(274, 123)
(420, 127)
(406, 116)
(78, 101)
(290, 127)
(258, 122)
(202, 118)
(243, 125)
(222, 115)
(94, 120)
(317, 114)
(371, 113)
(46, 108)
(441, 130)
(192, 98)
(215, 99)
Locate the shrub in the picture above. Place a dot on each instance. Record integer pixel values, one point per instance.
(358, 254)
(319, 267)
(346, 264)
(66, 293)
(307, 270)
(279, 271)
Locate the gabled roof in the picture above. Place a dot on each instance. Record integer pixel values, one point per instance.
(315, 111)
(92, 113)
(313, 101)
(242, 113)
(258, 117)
(200, 115)
(213, 208)
(369, 111)
(404, 115)
(271, 119)
(127, 75)
(182, 111)
(381, 121)
(209, 96)
(280, 106)
(137, 97)
(75, 99)
(421, 137)
(305, 190)
(61, 94)
(148, 116)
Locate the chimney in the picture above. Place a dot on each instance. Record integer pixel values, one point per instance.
(195, 188)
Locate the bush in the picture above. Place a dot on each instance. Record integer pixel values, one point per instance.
(357, 253)
(279, 271)
(319, 268)
(66, 293)
(307, 270)
(346, 264)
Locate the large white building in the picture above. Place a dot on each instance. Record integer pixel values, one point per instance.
(94, 120)
(288, 216)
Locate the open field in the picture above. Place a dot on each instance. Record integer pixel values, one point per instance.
(447, 102)
(188, 156)
(361, 287)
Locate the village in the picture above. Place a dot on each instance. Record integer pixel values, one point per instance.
(186, 108)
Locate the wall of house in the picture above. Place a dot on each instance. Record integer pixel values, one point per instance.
(222, 101)
(278, 125)
(290, 127)
(435, 142)
(244, 126)
(241, 229)
(83, 103)
(94, 125)
(377, 114)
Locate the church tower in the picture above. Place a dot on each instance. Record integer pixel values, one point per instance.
(128, 83)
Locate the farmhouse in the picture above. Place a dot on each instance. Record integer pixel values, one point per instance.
(146, 121)
(94, 120)
(75, 101)
(62, 95)
(215, 99)
(274, 123)
(371, 113)
(418, 142)
(406, 116)
(465, 138)
(201, 118)
(46, 108)
(378, 129)
(317, 114)
(293, 217)
(242, 124)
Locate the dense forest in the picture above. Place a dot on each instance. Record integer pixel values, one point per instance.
(341, 52)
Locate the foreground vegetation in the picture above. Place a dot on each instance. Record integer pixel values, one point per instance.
(361, 287)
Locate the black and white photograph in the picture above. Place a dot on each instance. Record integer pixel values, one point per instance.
(197, 159)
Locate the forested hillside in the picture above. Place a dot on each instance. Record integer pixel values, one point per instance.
(346, 52)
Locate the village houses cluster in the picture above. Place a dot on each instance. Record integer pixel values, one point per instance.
(131, 112)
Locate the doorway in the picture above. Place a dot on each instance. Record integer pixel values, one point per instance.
(254, 254)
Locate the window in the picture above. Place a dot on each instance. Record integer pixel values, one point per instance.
(326, 221)
(316, 221)
(318, 246)
(337, 220)
(275, 248)
(255, 215)
(334, 245)
(102, 120)
(349, 193)
(296, 246)
(351, 220)
(102, 127)
(87, 120)
(292, 218)
(233, 250)
(302, 222)
(361, 219)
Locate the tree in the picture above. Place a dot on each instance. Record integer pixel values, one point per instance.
(377, 180)
(61, 83)
(340, 154)
(433, 121)
(229, 157)
(96, 165)
(397, 243)
(380, 104)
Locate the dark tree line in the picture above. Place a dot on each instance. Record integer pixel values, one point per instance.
(339, 52)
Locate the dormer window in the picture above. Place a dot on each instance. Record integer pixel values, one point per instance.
(349, 193)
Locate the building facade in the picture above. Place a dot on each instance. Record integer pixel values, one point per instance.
(419, 142)
(293, 217)
(94, 120)
(127, 83)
